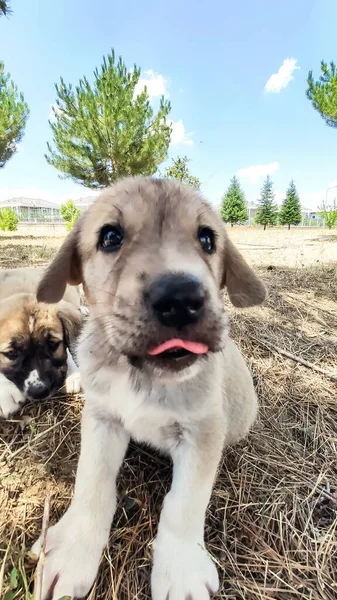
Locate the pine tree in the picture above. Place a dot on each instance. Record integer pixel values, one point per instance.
(13, 116)
(179, 170)
(5, 9)
(323, 93)
(105, 131)
(267, 211)
(290, 213)
(233, 208)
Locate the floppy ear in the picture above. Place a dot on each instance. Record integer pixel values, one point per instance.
(243, 286)
(65, 268)
(71, 319)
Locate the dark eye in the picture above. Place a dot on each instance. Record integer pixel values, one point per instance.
(11, 355)
(206, 237)
(53, 345)
(110, 238)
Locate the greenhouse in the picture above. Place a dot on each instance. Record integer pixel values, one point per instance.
(31, 210)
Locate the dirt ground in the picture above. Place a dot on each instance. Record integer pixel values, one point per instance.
(272, 521)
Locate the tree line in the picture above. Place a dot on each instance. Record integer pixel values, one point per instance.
(234, 208)
(105, 130)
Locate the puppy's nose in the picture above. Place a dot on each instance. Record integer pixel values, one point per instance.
(177, 299)
(38, 392)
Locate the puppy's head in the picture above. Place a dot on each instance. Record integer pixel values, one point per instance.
(153, 258)
(34, 338)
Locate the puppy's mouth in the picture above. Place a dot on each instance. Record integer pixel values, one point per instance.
(44, 395)
(177, 353)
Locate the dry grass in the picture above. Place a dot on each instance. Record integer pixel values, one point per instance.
(271, 524)
(23, 251)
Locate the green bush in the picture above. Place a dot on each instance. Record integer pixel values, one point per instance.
(70, 224)
(8, 219)
(70, 214)
(329, 213)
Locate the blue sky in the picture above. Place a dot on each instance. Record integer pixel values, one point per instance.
(212, 59)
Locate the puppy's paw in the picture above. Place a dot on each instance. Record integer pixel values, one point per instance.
(10, 398)
(72, 558)
(84, 310)
(182, 570)
(73, 383)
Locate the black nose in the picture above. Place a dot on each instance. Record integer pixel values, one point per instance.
(38, 392)
(177, 299)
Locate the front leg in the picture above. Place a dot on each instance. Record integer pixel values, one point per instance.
(74, 546)
(182, 569)
(72, 383)
(11, 399)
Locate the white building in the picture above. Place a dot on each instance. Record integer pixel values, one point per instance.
(32, 210)
(84, 203)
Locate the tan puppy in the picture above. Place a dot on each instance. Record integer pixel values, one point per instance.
(157, 365)
(35, 361)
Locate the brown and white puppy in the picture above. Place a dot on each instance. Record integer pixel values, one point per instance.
(157, 365)
(35, 361)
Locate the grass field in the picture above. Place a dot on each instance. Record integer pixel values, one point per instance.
(272, 521)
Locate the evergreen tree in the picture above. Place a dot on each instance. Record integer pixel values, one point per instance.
(233, 207)
(13, 116)
(5, 10)
(179, 170)
(323, 93)
(290, 213)
(267, 211)
(105, 131)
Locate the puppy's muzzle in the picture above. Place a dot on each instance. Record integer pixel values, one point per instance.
(39, 391)
(177, 300)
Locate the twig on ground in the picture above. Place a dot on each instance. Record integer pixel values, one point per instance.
(2, 570)
(302, 361)
(37, 437)
(40, 564)
(324, 310)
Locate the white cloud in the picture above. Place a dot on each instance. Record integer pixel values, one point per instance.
(312, 199)
(316, 199)
(155, 84)
(256, 173)
(283, 77)
(179, 135)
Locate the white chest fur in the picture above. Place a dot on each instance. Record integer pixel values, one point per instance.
(160, 416)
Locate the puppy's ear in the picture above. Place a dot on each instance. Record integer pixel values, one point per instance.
(243, 286)
(65, 268)
(71, 319)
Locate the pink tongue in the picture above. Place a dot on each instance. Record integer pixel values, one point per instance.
(193, 347)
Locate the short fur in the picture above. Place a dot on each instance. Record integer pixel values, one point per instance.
(190, 412)
(35, 361)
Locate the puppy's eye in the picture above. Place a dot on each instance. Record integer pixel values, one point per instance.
(110, 238)
(53, 345)
(206, 237)
(11, 355)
